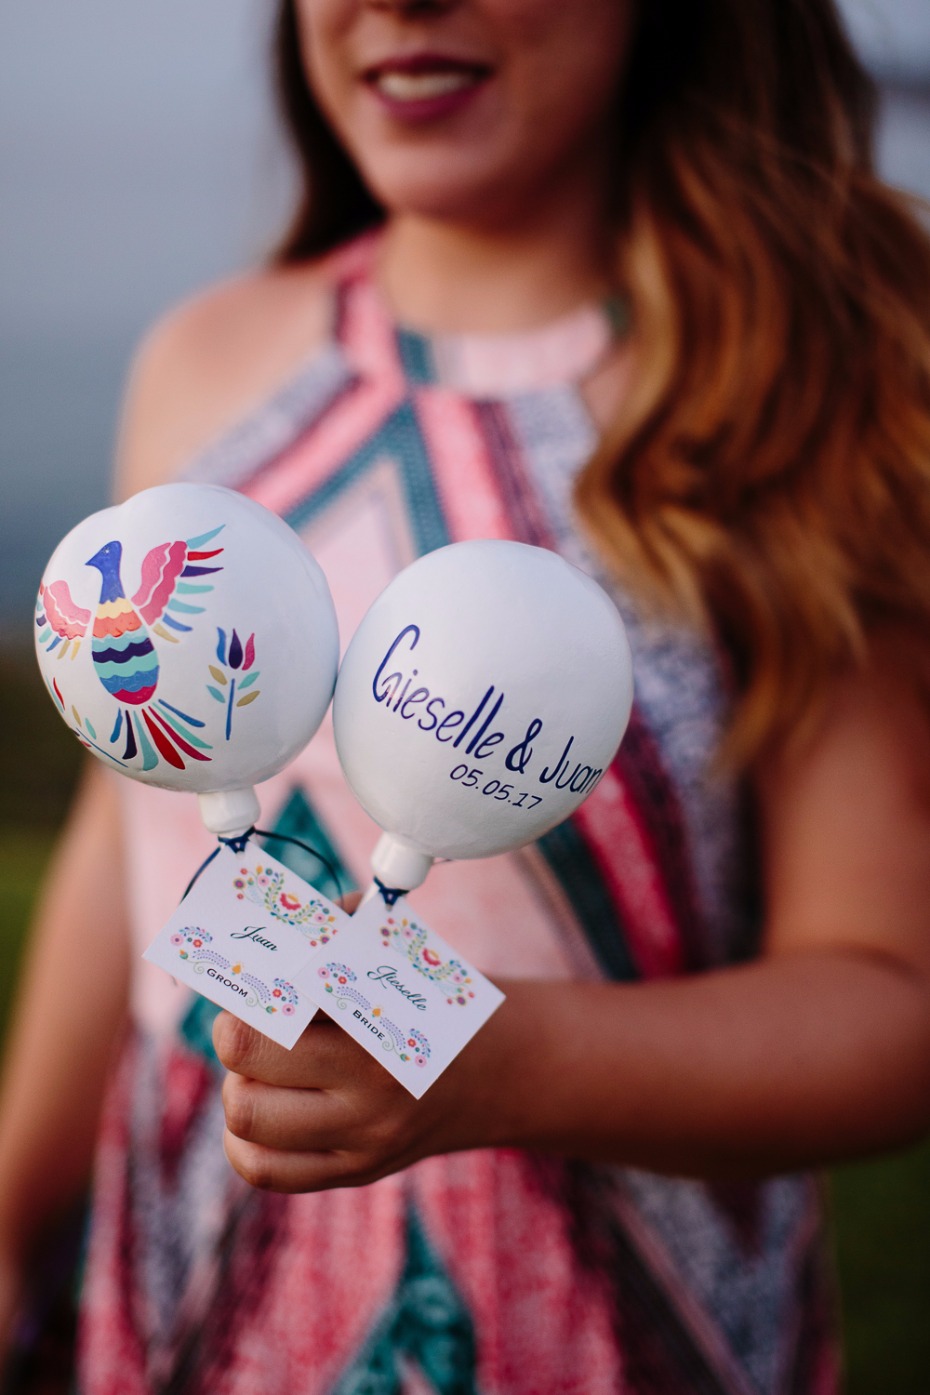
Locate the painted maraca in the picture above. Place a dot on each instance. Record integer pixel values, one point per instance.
(189, 640)
(479, 702)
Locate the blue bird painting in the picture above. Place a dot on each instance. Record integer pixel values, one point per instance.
(124, 631)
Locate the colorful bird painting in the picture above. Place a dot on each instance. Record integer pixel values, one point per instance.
(175, 577)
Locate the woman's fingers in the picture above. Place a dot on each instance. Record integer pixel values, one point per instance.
(323, 1056)
(272, 1170)
(291, 1139)
(322, 1115)
(290, 1118)
(327, 1114)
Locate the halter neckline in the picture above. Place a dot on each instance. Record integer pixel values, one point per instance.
(564, 351)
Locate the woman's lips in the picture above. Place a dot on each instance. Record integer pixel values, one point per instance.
(424, 87)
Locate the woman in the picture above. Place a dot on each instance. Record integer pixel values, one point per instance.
(636, 258)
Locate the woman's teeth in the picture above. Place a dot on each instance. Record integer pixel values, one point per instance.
(419, 87)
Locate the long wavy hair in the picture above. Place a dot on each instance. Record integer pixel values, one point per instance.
(768, 471)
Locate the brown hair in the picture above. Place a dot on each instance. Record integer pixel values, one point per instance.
(769, 469)
(332, 202)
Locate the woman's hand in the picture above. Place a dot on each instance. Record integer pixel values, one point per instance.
(326, 1114)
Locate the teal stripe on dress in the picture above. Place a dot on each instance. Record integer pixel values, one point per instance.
(298, 819)
(196, 1029)
(399, 438)
(416, 355)
(426, 1324)
(571, 861)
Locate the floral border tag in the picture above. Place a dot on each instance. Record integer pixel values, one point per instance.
(241, 936)
(400, 991)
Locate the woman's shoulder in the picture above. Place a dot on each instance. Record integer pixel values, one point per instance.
(211, 359)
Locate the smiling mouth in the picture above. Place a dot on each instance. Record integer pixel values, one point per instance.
(424, 78)
(420, 87)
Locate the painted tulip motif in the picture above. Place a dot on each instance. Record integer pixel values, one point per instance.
(236, 674)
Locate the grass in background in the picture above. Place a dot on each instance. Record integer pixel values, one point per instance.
(39, 758)
(881, 1209)
(39, 761)
(23, 858)
(882, 1237)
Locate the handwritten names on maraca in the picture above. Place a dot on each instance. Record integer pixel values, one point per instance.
(394, 689)
(397, 689)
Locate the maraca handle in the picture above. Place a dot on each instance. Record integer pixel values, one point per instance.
(230, 813)
(396, 864)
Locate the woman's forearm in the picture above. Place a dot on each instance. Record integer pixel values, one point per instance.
(790, 1062)
(70, 1012)
(802, 1059)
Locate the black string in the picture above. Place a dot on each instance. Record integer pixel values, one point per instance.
(202, 868)
(314, 852)
(238, 845)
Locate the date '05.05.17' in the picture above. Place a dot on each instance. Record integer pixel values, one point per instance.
(471, 779)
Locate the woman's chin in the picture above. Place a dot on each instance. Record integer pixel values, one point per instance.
(445, 195)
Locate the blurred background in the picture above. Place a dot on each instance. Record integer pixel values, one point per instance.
(139, 160)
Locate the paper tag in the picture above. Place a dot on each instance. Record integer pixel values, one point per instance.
(241, 935)
(401, 992)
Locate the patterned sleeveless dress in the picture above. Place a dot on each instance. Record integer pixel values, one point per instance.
(490, 1272)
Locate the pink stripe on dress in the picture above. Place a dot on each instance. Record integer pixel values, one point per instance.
(302, 468)
(367, 333)
(458, 449)
(347, 1247)
(503, 365)
(609, 820)
(368, 342)
(544, 1319)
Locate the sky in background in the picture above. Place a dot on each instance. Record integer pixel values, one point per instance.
(139, 161)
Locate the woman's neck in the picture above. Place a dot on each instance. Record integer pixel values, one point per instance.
(441, 276)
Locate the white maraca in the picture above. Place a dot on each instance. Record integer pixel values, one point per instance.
(189, 640)
(481, 698)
